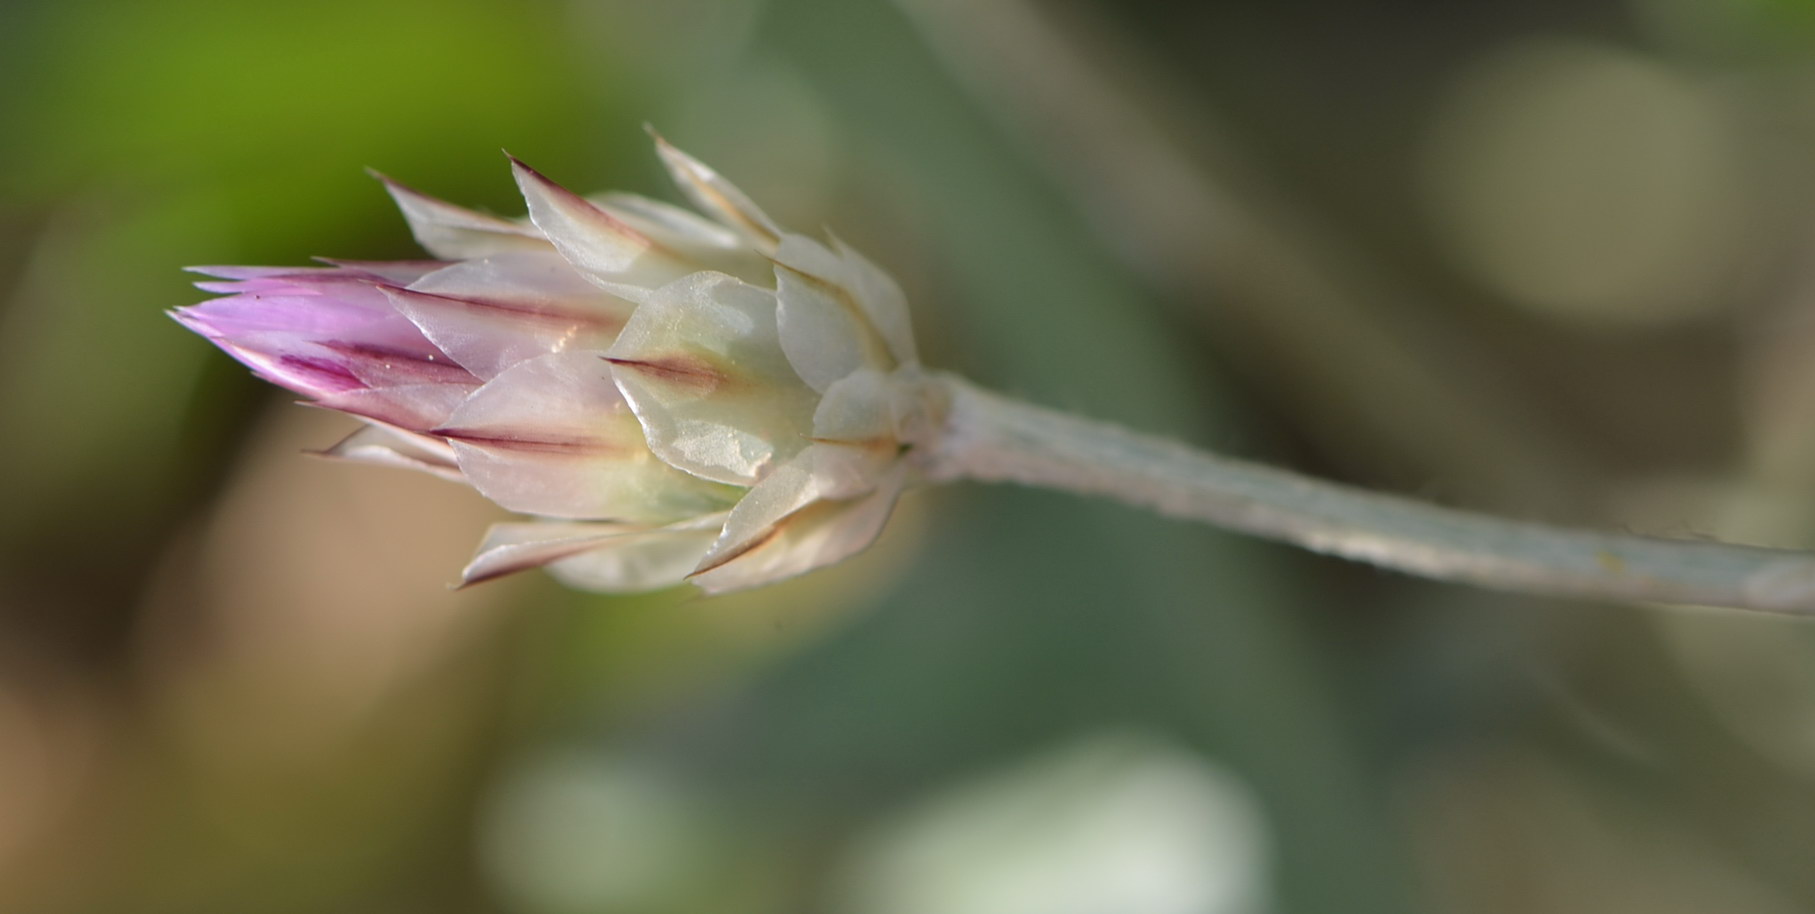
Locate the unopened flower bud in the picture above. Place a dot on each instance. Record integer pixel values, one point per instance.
(670, 397)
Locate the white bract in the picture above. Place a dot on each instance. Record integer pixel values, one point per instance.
(671, 397)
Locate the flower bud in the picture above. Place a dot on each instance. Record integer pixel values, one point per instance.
(670, 397)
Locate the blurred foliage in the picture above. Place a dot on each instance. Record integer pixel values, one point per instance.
(1552, 258)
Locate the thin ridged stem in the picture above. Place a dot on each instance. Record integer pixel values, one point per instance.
(990, 438)
(1385, 379)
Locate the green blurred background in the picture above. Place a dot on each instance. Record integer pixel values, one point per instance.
(1554, 259)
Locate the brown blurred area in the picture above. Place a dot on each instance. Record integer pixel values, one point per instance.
(1550, 259)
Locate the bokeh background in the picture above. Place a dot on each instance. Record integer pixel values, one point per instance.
(1554, 259)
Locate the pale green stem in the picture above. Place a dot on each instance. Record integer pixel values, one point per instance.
(990, 438)
(1382, 376)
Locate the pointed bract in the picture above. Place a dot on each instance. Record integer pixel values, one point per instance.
(639, 562)
(609, 558)
(491, 314)
(456, 233)
(552, 436)
(825, 330)
(823, 474)
(416, 408)
(383, 446)
(881, 298)
(820, 534)
(393, 272)
(711, 192)
(598, 244)
(702, 366)
(859, 408)
(667, 224)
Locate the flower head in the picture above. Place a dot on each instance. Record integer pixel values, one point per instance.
(671, 397)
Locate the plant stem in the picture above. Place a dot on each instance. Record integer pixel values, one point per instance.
(1382, 374)
(990, 438)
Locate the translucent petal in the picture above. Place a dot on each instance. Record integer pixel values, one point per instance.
(456, 233)
(553, 436)
(331, 334)
(718, 197)
(302, 280)
(243, 273)
(513, 547)
(818, 473)
(702, 242)
(882, 299)
(327, 369)
(598, 244)
(346, 311)
(859, 407)
(395, 272)
(384, 366)
(609, 558)
(648, 561)
(383, 446)
(491, 314)
(702, 366)
(667, 223)
(815, 534)
(416, 408)
(824, 329)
